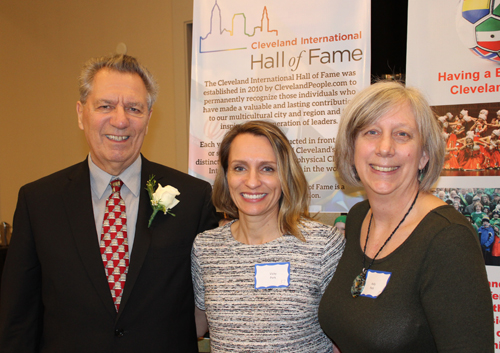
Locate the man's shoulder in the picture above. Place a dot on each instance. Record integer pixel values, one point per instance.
(58, 178)
(170, 176)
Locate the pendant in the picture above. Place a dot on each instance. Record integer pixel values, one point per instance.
(358, 284)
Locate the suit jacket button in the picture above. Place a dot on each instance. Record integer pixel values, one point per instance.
(119, 333)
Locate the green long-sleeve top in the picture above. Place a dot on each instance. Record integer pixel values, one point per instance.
(437, 298)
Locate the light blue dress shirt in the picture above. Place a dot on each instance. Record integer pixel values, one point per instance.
(130, 191)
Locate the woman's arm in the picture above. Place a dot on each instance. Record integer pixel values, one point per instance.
(455, 294)
(201, 322)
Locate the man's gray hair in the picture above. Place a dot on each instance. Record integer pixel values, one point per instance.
(120, 63)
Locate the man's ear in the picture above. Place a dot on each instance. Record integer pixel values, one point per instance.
(149, 117)
(79, 112)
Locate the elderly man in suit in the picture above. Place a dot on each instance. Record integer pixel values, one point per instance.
(85, 272)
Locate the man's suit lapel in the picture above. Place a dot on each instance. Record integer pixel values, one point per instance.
(78, 201)
(143, 234)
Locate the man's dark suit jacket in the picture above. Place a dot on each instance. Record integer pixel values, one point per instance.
(55, 296)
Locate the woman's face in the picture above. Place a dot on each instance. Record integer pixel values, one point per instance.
(484, 199)
(389, 153)
(252, 176)
(478, 208)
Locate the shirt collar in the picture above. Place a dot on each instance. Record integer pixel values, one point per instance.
(131, 177)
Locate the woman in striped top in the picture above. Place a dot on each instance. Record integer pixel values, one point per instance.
(259, 278)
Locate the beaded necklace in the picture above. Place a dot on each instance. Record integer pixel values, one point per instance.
(359, 282)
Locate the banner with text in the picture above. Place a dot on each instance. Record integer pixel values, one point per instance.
(453, 57)
(294, 63)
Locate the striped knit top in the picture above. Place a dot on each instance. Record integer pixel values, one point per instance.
(264, 298)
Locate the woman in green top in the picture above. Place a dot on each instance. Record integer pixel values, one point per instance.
(412, 276)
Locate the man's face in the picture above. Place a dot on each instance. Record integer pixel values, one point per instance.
(115, 119)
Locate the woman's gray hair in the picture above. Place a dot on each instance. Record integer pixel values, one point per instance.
(121, 63)
(373, 103)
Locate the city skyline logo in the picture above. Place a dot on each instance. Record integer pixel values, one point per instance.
(239, 36)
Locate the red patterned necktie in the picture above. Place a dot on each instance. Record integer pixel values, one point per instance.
(114, 242)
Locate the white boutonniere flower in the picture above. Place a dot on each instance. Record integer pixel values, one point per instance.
(163, 199)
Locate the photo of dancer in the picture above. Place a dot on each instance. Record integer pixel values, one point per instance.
(472, 140)
(481, 206)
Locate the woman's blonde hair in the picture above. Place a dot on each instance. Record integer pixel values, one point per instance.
(294, 200)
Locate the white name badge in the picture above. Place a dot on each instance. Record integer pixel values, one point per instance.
(272, 275)
(376, 281)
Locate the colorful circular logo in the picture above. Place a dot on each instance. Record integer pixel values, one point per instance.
(478, 26)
